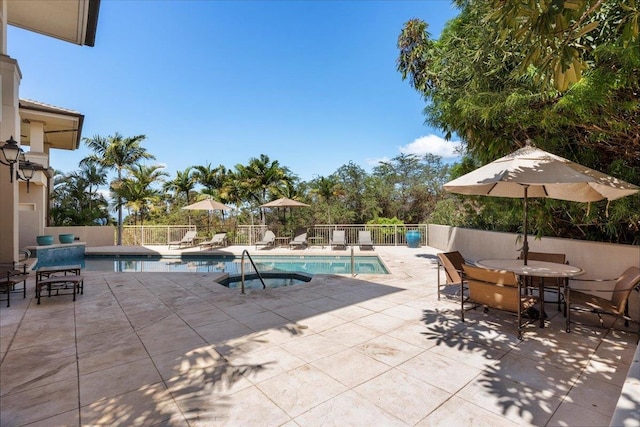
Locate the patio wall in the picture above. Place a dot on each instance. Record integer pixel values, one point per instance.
(599, 260)
(91, 235)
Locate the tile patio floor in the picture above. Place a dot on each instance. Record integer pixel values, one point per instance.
(177, 349)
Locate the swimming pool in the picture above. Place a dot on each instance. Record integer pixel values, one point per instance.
(310, 264)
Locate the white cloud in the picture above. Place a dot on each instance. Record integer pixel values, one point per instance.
(432, 144)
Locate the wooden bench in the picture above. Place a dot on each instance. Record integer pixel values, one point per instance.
(59, 278)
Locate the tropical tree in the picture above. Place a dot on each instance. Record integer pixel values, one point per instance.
(261, 178)
(75, 199)
(183, 183)
(136, 190)
(116, 152)
(479, 89)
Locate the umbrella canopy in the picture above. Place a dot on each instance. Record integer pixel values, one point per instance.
(284, 203)
(207, 205)
(531, 172)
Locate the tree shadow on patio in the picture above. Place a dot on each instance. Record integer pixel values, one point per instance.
(548, 377)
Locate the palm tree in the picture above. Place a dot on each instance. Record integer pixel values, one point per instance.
(262, 177)
(116, 152)
(184, 182)
(327, 189)
(136, 188)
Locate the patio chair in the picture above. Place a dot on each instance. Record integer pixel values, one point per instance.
(218, 239)
(337, 239)
(452, 263)
(187, 240)
(577, 299)
(10, 277)
(299, 239)
(364, 240)
(552, 284)
(497, 289)
(268, 239)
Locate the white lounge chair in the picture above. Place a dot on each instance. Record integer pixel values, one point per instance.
(218, 239)
(299, 239)
(187, 240)
(364, 240)
(268, 239)
(337, 239)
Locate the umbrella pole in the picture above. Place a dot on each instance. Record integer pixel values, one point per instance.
(525, 244)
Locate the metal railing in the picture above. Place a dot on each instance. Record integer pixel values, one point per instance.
(245, 252)
(320, 234)
(247, 235)
(140, 235)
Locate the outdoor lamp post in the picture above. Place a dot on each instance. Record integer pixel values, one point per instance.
(10, 152)
(28, 169)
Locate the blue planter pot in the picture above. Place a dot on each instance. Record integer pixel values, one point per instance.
(44, 240)
(413, 239)
(66, 238)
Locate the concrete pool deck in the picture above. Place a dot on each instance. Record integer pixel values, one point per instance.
(178, 349)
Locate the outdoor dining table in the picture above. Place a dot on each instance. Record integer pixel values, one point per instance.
(542, 269)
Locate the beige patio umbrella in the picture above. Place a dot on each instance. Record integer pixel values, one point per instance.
(531, 172)
(208, 205)
(284, 203)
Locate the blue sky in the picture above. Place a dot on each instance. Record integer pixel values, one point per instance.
(311, 84)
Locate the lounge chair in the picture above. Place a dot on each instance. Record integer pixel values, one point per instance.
(452, 263)
(576, 299)
(218, 239)
(496, 289)
(267, 240)
(187, 240)
(364, 240)
(337, 239)
(299, 239)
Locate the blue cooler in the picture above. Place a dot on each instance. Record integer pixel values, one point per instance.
(413, 239)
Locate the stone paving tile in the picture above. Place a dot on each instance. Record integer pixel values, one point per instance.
(458, 412)
(117, 380)
(348, 409)
(48, 363)
(181, 350)
(149, 405)
(569, 414)
(39, 403)
(402, 395)
(443, 372)
(350, 367)
(301, 389)
(389, 350)
(510, 399)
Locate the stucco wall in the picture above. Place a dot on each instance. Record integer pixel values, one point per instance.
(91, 235)
(599, 260)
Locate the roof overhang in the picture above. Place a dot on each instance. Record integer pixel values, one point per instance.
(74, 21)
(62, 127)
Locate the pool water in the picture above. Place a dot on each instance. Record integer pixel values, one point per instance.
(309, 264)
(271, 280)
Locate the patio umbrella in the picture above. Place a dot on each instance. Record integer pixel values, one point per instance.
(207, 205)
(284, 203)
(531, 172)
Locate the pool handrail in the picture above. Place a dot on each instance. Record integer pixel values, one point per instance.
(242, 271)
